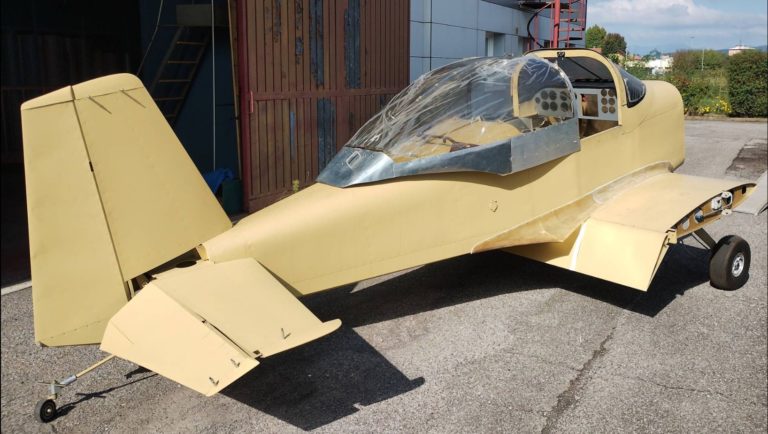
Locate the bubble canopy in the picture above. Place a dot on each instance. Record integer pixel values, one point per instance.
(496, 115)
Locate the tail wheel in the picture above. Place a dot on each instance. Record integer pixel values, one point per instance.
(45, 410)
(729, 265)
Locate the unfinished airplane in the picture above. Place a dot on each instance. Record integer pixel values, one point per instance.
(559, 156)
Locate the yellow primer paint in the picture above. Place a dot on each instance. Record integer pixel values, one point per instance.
(625, 239)
(325, 236)
(132, 166)
(77, 284)
(558, 224)
(204, 326)
(142, 204)
(111, 194)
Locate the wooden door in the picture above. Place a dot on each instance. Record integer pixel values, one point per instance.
(316, 71)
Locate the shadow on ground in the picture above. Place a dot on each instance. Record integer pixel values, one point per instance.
(328, 379)
(321, 382)
(472, 277)
(83, 397)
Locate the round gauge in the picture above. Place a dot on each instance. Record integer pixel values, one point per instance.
(698, 215)
(552, 94)
(545, 105)
(565, 107)
(612, 109)
(563, 96)
(611, 92)
(605, 109)
(544, 95)
(538, 100)
(603, 101)
(603, 92)
(612, 101)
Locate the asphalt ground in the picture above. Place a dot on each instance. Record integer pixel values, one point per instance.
(482, 343)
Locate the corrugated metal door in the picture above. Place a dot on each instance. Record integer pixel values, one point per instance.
(316, 71)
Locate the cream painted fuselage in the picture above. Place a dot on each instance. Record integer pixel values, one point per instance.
(324, 236)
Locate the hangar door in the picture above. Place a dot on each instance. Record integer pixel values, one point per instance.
(316, 71)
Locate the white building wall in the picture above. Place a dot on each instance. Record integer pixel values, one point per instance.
(443, 31)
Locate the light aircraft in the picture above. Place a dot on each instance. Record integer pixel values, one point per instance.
(559, 155)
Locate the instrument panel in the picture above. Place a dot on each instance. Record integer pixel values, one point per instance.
(599, 104)
(554, 102)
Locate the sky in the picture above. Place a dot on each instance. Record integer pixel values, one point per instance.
(670, 25)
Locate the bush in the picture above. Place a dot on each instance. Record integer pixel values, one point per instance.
(704, 90)
(701, 94)
(691, 61)
(747, 86)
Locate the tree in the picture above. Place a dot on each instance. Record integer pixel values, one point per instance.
(614, 43)
(691, 61)
(640, 72)
(594, 37)
(747, 87)
(685, 62)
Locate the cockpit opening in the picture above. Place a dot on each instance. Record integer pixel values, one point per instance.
(598, 108)
(496, 115)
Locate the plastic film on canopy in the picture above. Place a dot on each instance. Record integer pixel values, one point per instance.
(495, 115)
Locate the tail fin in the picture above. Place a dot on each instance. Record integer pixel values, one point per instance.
(111, 194)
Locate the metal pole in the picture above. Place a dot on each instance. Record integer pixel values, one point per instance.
(95, 365)
(556, 26)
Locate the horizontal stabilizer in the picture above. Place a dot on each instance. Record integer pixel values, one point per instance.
(205, 326)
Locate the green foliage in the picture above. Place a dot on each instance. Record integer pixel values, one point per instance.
(640, 72)
(594, 37)
(614, 43)
(692, 61)
(747, 86)
(714, 59)
(615, 58)
(704, 91)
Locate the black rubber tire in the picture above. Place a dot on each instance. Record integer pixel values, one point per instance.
(45, 410)
(722, 263)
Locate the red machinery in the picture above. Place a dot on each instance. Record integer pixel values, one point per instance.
(568, 19)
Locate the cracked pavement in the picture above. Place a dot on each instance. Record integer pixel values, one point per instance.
(482, 343)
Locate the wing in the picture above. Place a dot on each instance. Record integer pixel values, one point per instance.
(205, 326)
(625, 238)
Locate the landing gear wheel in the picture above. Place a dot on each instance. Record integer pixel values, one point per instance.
(45, 410)
(729, 265)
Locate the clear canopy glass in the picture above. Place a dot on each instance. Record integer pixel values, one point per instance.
(467, 104)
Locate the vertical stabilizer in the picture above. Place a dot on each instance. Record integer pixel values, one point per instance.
(111, 194)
